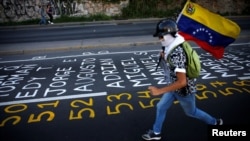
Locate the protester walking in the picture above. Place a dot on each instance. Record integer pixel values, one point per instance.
(180, 86)
(43, 15)
(50, 13)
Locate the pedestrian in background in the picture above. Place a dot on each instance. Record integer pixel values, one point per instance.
(180, 86)
(50, 13)
(43, 15)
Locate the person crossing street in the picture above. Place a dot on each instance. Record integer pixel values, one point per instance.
(179, 87)
(50, 13)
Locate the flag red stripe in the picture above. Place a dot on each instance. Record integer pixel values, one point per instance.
(216, 51)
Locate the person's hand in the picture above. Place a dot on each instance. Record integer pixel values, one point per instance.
(162, 54)
(154, 90)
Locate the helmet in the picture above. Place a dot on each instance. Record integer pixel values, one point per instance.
(166, 26)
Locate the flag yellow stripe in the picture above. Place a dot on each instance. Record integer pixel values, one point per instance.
(211, 20)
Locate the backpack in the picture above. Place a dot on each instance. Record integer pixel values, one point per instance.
(193, 60)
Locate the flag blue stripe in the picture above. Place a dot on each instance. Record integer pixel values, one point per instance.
(202, 32)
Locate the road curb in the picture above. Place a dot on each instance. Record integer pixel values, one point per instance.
(61, 48)
(85, 44)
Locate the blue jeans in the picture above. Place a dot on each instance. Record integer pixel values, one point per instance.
(43, 20)
(188, 105)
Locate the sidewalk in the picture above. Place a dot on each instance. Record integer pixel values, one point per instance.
(83, 23)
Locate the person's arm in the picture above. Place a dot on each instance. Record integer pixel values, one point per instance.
(179, 83)
(47, 10)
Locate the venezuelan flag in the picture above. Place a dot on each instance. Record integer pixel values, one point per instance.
(210, 31)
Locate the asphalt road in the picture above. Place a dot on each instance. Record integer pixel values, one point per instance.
(72, 31)
(85, 30)
(101, 94)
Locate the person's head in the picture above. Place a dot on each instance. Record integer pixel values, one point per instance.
(166, 30)
(164, 27)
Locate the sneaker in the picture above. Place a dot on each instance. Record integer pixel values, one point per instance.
(51, 23)
(150, 135)
(219, 122)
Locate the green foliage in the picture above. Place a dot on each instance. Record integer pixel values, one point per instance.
(97, 17)
(28, 22)
(64, 19)
(149, 8)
